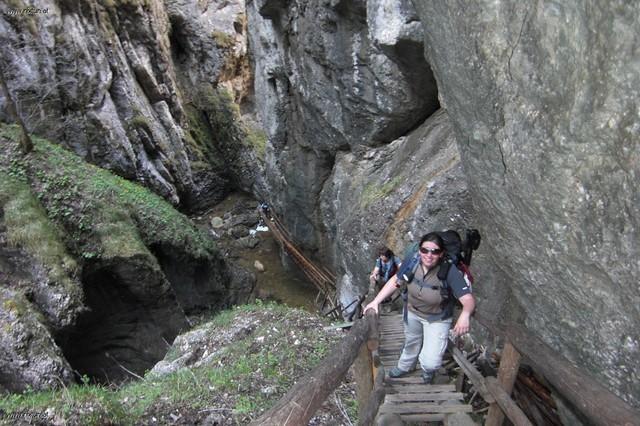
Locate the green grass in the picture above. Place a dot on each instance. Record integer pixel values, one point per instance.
(29, 227)
(238, 372)
(100, 214)
(256, 139)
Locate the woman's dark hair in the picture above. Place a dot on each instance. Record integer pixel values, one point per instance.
(386, 252)
(434, 238)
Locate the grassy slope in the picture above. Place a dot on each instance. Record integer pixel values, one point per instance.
(94, 212)
(239, 382)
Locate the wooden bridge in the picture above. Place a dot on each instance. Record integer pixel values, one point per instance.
(373, 345)
(321, 277)
(408, 397)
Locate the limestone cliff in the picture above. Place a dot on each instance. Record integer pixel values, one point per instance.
(384, 119)
(146, 89)
(543, 98)
(542, 102)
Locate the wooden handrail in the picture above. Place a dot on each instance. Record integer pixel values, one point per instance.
(308, 394)
(599, 405)
(318, 275)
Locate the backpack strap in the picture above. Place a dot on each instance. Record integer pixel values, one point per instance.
(444, 270)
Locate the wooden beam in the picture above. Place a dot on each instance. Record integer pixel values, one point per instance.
(508, 406)
(507, 374)
(593, 400)
(308, 394)
(490, 389)
(363, 373)
(368, 414)
(474, 375)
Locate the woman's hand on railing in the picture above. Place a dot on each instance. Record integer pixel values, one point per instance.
(373, 305)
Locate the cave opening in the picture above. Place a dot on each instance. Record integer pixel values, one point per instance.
(119, 338)
(197, 284)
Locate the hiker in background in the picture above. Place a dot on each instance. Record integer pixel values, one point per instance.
(430, 309)
(264, 206)
(386, 266)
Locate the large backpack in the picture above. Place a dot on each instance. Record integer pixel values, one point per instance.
(458, 253)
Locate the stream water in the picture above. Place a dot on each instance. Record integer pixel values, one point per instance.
(284, 285)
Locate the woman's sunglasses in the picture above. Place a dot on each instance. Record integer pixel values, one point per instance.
(424, 250)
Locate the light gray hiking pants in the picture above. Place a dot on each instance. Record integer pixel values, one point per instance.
(425, 341)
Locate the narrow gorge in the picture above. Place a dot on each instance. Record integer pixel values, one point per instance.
(361, 123)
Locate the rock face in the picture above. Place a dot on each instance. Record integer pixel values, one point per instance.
(392, 195)
(130, 86)
(97, 275)
(29, 357)
(330, 77)
(543, 98)
(542, 104)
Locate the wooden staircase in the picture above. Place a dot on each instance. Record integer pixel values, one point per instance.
(408, 396)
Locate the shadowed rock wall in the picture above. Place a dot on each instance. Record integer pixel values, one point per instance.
(544, 101)
(131, 87)
(331, 77)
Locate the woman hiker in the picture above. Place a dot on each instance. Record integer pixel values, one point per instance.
(386, 265)
(430, 310)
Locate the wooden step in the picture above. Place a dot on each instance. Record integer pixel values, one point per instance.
(424, 408)
(423, 397)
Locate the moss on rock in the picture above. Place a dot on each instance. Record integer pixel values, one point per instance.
(102, 215)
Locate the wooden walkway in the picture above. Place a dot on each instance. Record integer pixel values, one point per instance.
(321, 277)
(408, 396)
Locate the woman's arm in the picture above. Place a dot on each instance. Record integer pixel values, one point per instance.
(468, 305)
(374, 273)
(385, 292)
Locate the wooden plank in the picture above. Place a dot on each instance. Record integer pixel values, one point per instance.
(412, 388)
(368, 414)
(412, 379)
(507, 374)
(422, 418)
(421, 407)
(489, 386)
(423, 397)
(364, 377)
(584, 392)
(509, 408)
(471, 372)
(458, 419)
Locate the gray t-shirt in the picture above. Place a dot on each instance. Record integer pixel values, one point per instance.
(430, 298)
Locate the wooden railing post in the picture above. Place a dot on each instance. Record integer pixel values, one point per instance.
(363, 365)
(507, 374)
(597, 403)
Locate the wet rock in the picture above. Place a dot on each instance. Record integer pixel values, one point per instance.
(238, 231)
(249, 242)
(393, 197)
(245, 219)
(258, 265)
(334, 62)
(216, 222)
